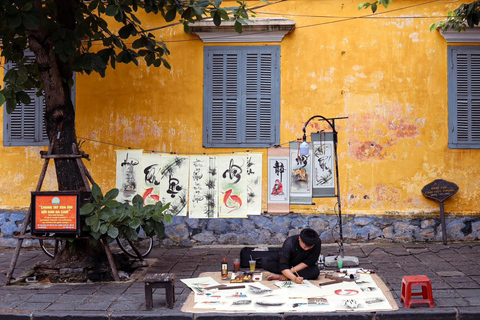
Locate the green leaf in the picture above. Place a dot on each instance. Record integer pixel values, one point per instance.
(238, 27)
(112, 194)
(11, 105)
(112, 232)
(23, 97)
(97, 193)
(186, 28)
(374, 7)
(168, 218)
(2, 99)
(104, 228)
(30, 21)
(139, 43)
(111, 10)
(15, 21)
(171, 14)
(87, 209)
(95, 224)
(137, 201)
(135, 223)
(216, 18)
(198, 11)
(112, 204)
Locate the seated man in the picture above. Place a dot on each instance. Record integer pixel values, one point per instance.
(297, 259)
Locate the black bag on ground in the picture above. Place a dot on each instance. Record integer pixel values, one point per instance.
(261, 252)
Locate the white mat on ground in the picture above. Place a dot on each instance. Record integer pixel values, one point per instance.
(368, 293)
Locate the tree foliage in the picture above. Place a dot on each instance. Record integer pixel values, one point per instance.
(71, 27)
(106, 217)
(466, 15)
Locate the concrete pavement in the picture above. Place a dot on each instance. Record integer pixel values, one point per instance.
(454, 270)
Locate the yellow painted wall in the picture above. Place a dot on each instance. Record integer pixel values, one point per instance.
(387, 73)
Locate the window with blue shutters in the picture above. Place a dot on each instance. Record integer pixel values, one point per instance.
(241, 96)
(25, 125)
(464, 97)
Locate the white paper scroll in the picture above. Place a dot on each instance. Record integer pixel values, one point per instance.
(203, 192)
(129, 174)
(254, 183)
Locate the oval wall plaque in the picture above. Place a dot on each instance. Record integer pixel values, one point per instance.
(439, 190)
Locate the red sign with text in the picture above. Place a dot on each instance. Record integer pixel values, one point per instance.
(55, 212)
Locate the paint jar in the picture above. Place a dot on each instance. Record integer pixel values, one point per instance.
(252, 265)
(340, 262)
(236, 265)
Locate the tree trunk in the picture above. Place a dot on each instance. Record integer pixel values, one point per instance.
(60, 116)
(59, 112)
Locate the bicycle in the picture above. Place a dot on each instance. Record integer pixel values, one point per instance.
(143, 244)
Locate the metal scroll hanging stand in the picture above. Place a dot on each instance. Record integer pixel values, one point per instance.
(331, 261)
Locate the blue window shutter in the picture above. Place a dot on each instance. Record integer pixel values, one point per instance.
(464, 96)
(25, 125)
(241, 96)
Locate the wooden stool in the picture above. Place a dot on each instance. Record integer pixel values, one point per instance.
(160, 280)
(408, 282)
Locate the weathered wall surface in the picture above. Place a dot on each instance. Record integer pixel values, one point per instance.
(387, 73)
(274, 229)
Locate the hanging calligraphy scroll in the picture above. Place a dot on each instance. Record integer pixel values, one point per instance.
(129, 174)
(300, 175)
(174, 183)
(151, 168)
(232, 195)
(203, 195)
(254, 183)
(323, 165)
(278, 180)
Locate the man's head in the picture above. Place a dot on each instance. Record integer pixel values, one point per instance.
(308, 238)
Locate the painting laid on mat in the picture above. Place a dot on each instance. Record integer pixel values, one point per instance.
(129, 174)
(203, 195)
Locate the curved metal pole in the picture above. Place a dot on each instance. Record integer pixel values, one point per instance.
(318, 116)
(335, 140)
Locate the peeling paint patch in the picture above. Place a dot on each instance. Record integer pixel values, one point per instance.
(414, 36)
(368, 150)
(403, 129)
(386, 193)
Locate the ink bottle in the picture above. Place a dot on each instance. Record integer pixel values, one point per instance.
(224, 268)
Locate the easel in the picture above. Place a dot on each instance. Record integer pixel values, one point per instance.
(86, 177)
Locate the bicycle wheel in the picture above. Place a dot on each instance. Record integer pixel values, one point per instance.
(51, 247)
(144, 246)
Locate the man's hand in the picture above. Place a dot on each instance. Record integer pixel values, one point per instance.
(298, 280)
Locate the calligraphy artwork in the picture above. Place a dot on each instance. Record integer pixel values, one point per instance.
(363, 295)
(174, 183)
(129, 174)
(323, 165)
(278, 180)
(300, 175)
(203, 192)
(232, 192)
(151, 168)
(254, 183)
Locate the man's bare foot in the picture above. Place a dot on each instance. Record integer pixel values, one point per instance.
(279, 277)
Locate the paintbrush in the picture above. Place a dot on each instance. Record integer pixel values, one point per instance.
(297, 274)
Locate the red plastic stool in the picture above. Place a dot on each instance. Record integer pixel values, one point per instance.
(410, 281)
